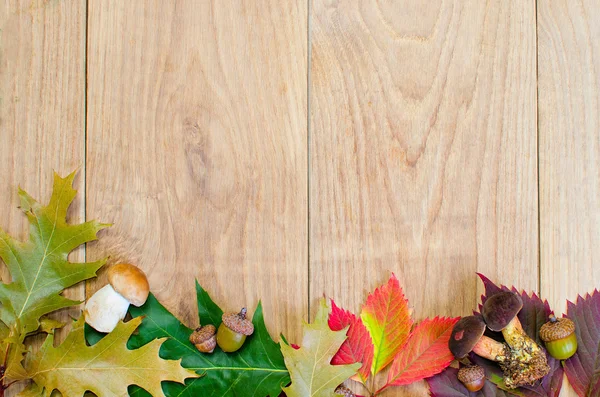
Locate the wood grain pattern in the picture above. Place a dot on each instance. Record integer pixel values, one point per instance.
(569, 84)
(42, 83)
(197, 149)
(423, 150)
(569, 147)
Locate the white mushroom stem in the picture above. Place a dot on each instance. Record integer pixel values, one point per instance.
(105, 309)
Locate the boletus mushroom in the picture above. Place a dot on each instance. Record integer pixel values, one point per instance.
(127, 285)
(528, 361)
(468, 336)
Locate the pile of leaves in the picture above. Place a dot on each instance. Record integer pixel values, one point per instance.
(583, 369)
(257, 369)
(380, 348)
(40, 271)
(384, 335)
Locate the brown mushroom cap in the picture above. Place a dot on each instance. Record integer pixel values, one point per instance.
(557, 329)
(129, 281)
(465, 335)
(238, 322)
(471, 374)
(500, 309)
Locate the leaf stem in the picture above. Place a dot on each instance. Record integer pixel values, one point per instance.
(371, 386)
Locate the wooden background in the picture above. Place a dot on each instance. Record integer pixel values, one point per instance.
(285, 149)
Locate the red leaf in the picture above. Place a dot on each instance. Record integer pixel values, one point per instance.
(425, 354)
(358, 348)
(583, 369)
(387, 318)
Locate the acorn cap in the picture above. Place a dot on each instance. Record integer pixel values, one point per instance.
(465, 335)
(202, 334)
(556, 329)
(342, 390)
(129, 281)
(471, 374)
(500, 309)
(237, 322)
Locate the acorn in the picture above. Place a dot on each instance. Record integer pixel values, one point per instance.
(233, 331)
(204, 338)
(342, 390)
(473, 377)
(559, 336)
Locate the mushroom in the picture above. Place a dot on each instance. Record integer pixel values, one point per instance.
(467, 336)
(127, 285)
(528, 361)
(500, 314)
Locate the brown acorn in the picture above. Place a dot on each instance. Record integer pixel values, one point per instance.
(473, 377)
(204, 338)
(233, 331)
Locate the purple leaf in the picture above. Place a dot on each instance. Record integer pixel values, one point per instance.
(446, 384)
(534, 314)
(583, 369)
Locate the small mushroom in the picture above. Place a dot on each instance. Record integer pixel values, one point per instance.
(473, 377)
(500, 314)
(127, 285)
(467, 336)
(528, 361)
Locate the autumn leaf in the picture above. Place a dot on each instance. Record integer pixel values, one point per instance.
(106, 368)
(39, 267)
(12, 352)
(358, 347)
(583, 369)
(310, 366)
(256, 370)
(425, 354)
(387, 318)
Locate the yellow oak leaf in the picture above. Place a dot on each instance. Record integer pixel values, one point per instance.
(106, 368)
(310, 366)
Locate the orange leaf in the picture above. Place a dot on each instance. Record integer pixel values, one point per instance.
(426, 353)
(387, 318)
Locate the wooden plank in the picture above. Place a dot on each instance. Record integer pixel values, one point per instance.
(197, 149)
(569, 151)
(42, 100)
(423, 150)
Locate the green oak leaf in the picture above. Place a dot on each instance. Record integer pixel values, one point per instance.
(256, 370)
(39, 267)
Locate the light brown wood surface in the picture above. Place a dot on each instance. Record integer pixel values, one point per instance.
(423, 150)
(197, 150)
(42, 85)
(569, 129)
(280, 150)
